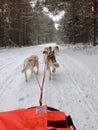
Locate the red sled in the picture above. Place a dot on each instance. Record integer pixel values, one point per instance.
(36, 118)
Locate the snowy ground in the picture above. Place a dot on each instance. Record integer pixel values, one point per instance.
(73, 89)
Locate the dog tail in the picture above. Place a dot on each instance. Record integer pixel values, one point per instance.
(56, 65)
(24, 69)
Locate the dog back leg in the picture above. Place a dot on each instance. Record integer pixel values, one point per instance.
(53, 70)
(49, 74)
(31, 69)
(37, 68)
(25, 76)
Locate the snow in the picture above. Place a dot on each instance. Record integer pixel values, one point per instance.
(73, 89)
(55, 17)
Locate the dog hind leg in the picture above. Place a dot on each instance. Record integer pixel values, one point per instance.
(25, 76)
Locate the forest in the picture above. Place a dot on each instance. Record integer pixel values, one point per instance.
(24, 22)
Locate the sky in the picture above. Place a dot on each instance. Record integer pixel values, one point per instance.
(55, 18)
(72, 89)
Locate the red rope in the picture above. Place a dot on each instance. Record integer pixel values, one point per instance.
(37, 80)
(41, 94)
(41, 86)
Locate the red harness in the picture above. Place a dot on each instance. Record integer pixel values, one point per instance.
(51, 54)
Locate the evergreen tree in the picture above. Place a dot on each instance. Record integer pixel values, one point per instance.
(42, 27)
(78, 22)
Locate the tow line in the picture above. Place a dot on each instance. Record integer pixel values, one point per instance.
(41, 86)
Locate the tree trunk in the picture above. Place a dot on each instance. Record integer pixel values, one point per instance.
(94, 23)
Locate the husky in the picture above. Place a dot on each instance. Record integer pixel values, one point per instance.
(30, 63)
(51, 63)
(46, 51)
(56, 50)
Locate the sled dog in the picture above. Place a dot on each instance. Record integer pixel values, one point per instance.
(51, 63)
(56, 50)
(30, 63)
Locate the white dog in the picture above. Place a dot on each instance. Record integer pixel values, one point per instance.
(30, 63)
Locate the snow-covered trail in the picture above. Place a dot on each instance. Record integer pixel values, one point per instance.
(13, 89)
(73, 89)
